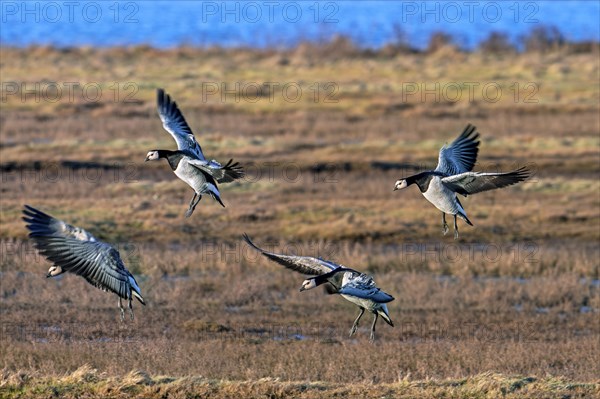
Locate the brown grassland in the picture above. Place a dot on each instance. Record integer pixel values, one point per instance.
(511, 309)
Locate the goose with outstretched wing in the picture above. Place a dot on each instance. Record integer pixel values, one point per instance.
(188, 161)
(352, 285)
(72, 249)
(453, 175)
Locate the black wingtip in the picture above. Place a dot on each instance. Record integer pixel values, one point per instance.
(523, 173)
(246, 238)
(269, 255)
(470, 133)
(234, 170)
(31, 211)
(516, 176)
(37, 222)
(163, 100)
(160, 96)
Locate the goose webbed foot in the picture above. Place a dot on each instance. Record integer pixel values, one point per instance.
(189, 212)
(193, 204)
(355, 325)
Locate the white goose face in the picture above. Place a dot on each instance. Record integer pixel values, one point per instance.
(152, 156)
(400, 184)
(308, 284)
(54, 271)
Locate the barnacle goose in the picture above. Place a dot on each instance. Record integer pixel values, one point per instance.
(354, 286)
(188, 161)
(453, 175)
(72, 249)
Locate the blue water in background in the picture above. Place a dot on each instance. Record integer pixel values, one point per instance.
(280, 23)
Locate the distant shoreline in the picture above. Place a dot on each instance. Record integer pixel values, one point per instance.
(540, 39)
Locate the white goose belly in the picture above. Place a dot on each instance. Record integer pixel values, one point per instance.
(441, 197)
(192, 176)
(368, 304)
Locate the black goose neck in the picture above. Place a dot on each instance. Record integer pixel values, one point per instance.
(173, 157)
(421, 179)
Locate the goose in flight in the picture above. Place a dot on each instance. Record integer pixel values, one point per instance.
(453, 175)
(188, 162)
(356, 287)
(72, 249)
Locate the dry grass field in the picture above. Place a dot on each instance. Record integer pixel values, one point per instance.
(511, 309)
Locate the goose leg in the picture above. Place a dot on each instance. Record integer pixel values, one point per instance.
(455, 228)
(193, 204)
(188, 213)
(130, 308)
(355, 325)
(444, 224)
(192, 201)
(372, 337)
(122, 310)
(196, 203)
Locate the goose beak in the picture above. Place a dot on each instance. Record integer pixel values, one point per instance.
(48, 275)
(302, 289)
(146, 160)
(395, 189)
